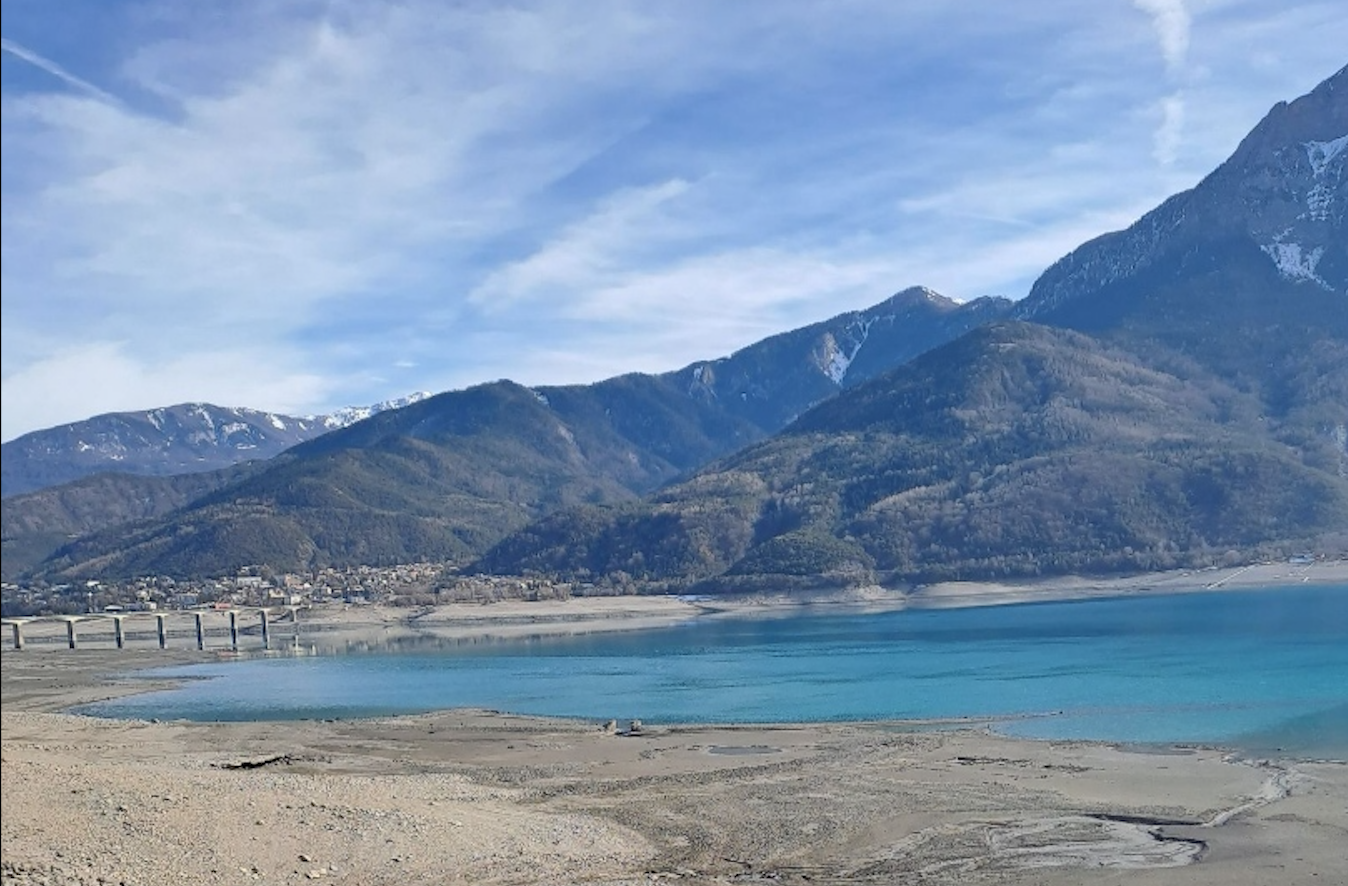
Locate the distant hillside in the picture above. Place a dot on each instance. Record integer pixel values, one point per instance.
(450, 475)
(1017, 450)
(184, 439)
(37, 523)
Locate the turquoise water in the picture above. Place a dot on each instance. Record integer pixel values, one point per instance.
(1262, 670)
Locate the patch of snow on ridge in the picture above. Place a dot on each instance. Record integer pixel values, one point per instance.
(1319, 200)
(1321, 154)
(837, 366)
(351, 414)
(838, 360)
(1294, 263)
(277, 423)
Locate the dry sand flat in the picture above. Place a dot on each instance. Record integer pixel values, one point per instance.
(479, 797)
(1262, 575)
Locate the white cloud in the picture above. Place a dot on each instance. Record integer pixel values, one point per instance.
(1171, 20)
(1170, 133)
(584, 252)
(92, 378)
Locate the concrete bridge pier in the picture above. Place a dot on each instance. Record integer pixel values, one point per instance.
(18, 634)
(201, 631)
(266, 634)
(234, 630)
(163, 633)
(70, 632)
(117, 634)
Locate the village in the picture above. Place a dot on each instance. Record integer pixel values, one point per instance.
(407, 585)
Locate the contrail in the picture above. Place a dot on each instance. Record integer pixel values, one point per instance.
(56, 71)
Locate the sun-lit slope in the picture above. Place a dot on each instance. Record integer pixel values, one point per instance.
(1016, 450)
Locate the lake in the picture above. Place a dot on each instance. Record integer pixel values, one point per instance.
(1261, 670)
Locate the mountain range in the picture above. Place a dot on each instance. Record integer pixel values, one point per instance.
(445, 477)
(183, 439)
(1172, 394)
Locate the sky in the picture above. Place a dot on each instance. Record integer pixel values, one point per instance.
(298, 205)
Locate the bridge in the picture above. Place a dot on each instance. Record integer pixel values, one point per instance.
(122, 634)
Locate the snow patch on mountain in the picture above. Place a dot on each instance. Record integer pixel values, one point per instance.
(1294, 262)
(1319, 202)
(1339, 434)
(351, 414)
(837, 359)
(202, 413)
(1321, 154)
(837, 367)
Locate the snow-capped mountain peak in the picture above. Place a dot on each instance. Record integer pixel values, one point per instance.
(349, 415)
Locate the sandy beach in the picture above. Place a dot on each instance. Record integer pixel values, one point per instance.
(484, 797)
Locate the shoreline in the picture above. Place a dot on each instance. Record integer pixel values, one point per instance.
(512, 620)
(971, 594)
(115, 673)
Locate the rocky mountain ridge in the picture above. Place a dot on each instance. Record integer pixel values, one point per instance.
(1285, 190)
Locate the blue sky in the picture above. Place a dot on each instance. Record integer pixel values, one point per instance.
(297, 205)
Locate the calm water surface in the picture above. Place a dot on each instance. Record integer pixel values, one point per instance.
(1262, 670)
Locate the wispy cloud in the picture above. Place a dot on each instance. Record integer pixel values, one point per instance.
(583, 253)
(60, 73)
(309, 206)
(54, 388)
(1166, 140)
(1171, 20)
